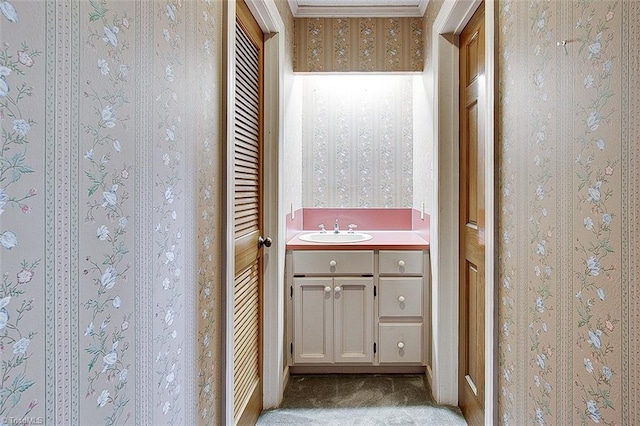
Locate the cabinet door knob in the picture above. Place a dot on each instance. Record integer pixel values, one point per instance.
(401, 299)
(327, 289)
(401, 263)
(333, 263)
(338, 289)
(400, 345)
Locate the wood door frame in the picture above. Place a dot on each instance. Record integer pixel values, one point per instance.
(266, 14)
(451, 20)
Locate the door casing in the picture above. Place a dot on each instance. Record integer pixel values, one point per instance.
(451, 19)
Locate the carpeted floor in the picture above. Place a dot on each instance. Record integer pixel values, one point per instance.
(378, 399)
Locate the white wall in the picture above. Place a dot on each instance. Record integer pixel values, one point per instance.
(292, 142)
(423, 141)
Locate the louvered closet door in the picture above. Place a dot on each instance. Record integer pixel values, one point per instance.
(247, 292)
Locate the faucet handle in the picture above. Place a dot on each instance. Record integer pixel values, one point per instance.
(322, 230)
(352, 227)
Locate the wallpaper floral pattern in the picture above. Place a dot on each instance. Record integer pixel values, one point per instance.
(568, 216)
(109, 300)
(107, 339)
(208, 219)
(358, 44)
(20, 311)
(357, 141)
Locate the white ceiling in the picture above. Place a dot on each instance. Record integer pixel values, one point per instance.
(357, 8)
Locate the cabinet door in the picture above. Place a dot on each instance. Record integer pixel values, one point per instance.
(313, 320)
(353, 320)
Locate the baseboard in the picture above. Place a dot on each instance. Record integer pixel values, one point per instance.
(285, 379)
(429, 376)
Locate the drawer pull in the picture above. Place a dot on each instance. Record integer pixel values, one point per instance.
(338, 289)
(327, 289)
(401, 299)
(401, 263)
(333, 263)
(400, 345)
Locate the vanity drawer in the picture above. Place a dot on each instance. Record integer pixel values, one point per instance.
(400, 297)
(395, 262)
(336, 262)
(400, 343)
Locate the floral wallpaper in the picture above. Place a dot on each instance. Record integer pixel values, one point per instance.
(109, 301)
(357, 141)
(358, 44)
(104, 192)
(208, 102)
(568, 163)
(22, 198)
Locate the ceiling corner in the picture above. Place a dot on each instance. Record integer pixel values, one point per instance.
(422, 6)
(293, 5)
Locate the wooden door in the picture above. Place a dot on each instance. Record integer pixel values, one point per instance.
(247, 291)
(472, 224)
(313, 320)
(353, 320)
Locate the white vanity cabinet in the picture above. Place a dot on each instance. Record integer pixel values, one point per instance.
(333, 315)
(359, 308)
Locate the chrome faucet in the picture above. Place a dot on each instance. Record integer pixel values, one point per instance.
(336, 227)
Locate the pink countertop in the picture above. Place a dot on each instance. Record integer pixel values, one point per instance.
(382, 240)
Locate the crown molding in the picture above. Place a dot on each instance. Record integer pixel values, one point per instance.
(373, 10)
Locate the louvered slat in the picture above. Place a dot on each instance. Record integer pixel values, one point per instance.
(244, 349)
(244, 152)
(246, 315)
(246, 89)
(247, 107)
(247, 218)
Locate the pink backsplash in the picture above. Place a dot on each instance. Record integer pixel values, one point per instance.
(294, 225)
(421, 226)
(308, 219)
(366, 219)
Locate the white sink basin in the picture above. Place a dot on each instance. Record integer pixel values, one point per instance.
(342, 237)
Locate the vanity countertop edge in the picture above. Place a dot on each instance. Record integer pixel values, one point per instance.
(381, 240)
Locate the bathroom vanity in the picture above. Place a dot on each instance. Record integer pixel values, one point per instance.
(359, 306)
